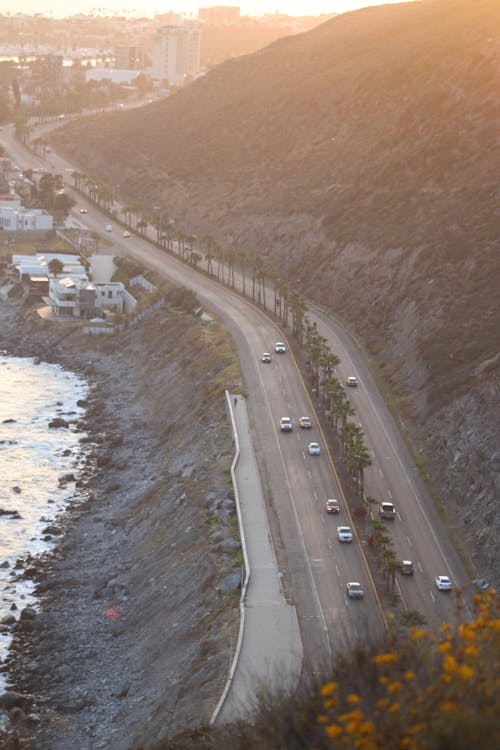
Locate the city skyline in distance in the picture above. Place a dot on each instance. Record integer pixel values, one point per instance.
(65, 8)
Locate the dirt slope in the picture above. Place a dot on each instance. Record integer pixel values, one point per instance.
(363, 158)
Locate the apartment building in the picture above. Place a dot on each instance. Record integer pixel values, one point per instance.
(176, 53)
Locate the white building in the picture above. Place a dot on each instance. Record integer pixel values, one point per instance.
(114, 75)
(109, 295)
(16, 218)
(176, 53)
(80, 298)
(38, 265)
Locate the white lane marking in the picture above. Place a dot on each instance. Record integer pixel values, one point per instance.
(329, 543)
(420, 567)
(432, 596)
(409, 541)
(314, 588)
(399, 517)
(289, 406)
(309, 474)
(322, 518)
(337, 569)
(315, 494)
(381, 473)
(389, 494)
(355, 631)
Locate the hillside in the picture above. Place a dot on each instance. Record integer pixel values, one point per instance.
(362, 157)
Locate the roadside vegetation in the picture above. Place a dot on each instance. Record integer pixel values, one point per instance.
(420, 692)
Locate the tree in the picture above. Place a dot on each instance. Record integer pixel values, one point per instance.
(56, 267)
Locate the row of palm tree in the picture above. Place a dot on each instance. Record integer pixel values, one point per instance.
(223, 264)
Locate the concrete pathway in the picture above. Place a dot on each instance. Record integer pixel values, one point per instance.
(269, 651)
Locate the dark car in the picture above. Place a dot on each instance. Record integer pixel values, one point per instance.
(332, 506)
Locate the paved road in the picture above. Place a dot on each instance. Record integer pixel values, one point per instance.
(269, 651)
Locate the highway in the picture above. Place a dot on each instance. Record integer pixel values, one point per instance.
(315, 565)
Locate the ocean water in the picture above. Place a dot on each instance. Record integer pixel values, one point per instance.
(33, 458)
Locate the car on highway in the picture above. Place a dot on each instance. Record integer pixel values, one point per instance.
(407, 568)
(332, 506)
(387, 510)
(286, 424)
(266, 357)
(127, 233)
(314, 449)
(354, 590)
(279, 347)
(344, 533)
(83, 211)
(109, 228)
(443, 583)
(305, 423)
(352, 382)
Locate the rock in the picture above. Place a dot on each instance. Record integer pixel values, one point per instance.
(82, 402)
(70, 477)
(28, 613)
(58, 422)
(227, 545)
(17, 489)
(25, 627)
(11, 513)
(8, 421)
(11, 699)
(5, 564)
(8, 620)
(53, 530)
(231, 582)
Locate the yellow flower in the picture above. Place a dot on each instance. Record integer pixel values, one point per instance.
(394, 709)
(353, 699)
(417, 633)
(329, 688)
(449, 663)
(465, 672)
(471, 650)
(329, 703)
(444, 628)
(394, 687)
(367, 727)
(385, 658)
(333, 730)
(409, 675)
(321, 719)
(383, 680)
(444, 647)
(382, 703)
(351, 716)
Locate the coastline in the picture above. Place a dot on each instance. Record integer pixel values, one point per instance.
(131, 638)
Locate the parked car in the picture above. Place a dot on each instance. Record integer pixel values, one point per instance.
(354, 590)
(286, 424)
(109, 228)
(279, 347)
(352, 382)
(83, 211)
(443, 583)
(314, 449)
(305, 423)
(127, 233)
(387, 510)
(407, 568)
(266, 357)
(482, 583)
(332, 506)
(344, 533)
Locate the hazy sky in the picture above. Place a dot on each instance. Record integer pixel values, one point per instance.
(62, 8)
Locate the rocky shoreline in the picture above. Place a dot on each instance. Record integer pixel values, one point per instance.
(138, 600)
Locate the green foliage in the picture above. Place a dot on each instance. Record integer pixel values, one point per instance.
(423, 692)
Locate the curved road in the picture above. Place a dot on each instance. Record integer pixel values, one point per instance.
(316, 565)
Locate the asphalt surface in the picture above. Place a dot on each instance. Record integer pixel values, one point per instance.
(268, 655)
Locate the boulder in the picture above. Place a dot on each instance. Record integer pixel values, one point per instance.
(58, 422)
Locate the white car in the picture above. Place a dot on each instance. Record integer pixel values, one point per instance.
(286, 424)
(314, 449)
(352, 382)
(109, 228)
(344, 533)
(266, 357)
(305, 423)
(279, 347)
(443, 583)
(354, 590)
(127, 233)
